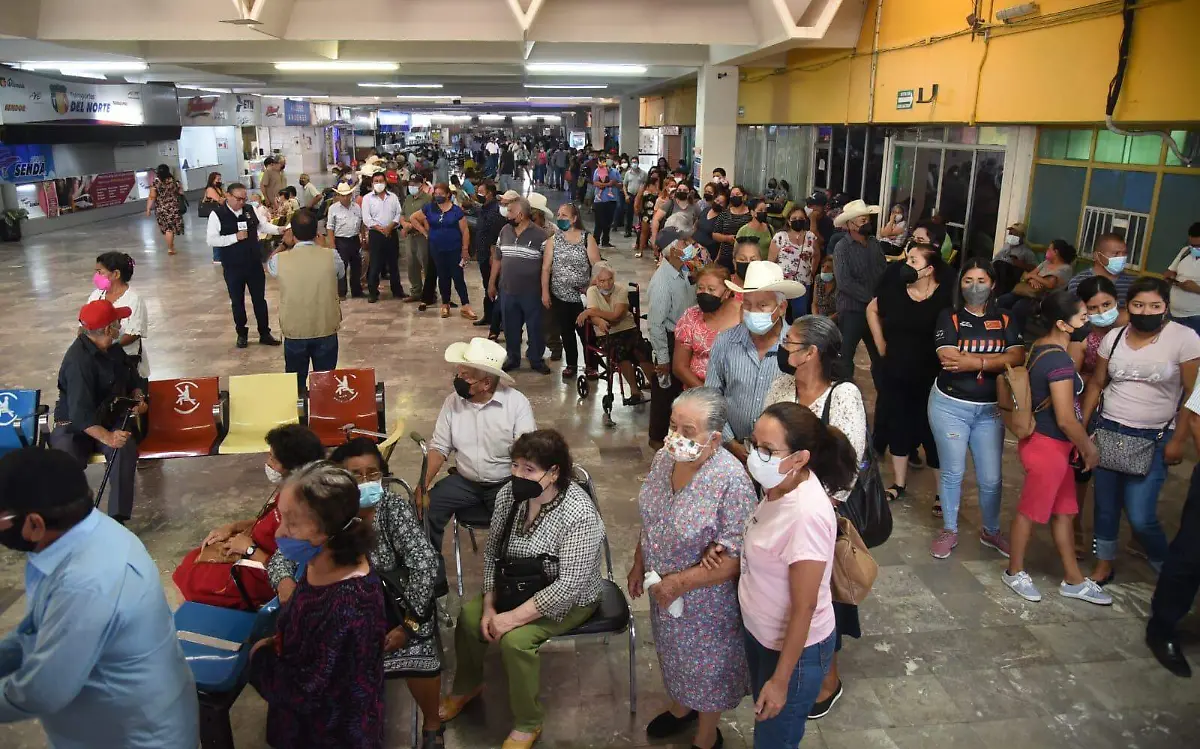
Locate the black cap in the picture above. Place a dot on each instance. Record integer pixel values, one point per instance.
(817, 198)
(33, 479)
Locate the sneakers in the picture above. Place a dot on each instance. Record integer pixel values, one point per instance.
(822, 708)
(1022, 585)
(943, 544)
(1087, 590)
(995, 541)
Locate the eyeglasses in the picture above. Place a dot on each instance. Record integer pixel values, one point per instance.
(765, 453)
(367, 476)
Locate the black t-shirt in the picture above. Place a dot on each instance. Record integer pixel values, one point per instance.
(1050, 364)
(993, 333)
(908, 328)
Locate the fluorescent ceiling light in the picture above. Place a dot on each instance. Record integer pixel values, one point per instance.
(399, 85)
(585, 68)
(567, 85)
(560, 98)
(335, 66)
(429, 97)
(97, 67)
(206, 89)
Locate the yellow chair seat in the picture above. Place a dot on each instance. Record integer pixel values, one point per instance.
(258, 404)
(97, 458)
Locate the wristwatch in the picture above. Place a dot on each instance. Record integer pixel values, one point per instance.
(250, 551)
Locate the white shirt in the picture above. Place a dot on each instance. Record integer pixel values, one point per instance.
(343, 221)
(339, 267)
(307, 193)
(492, 148)
(212, 232)
(136, 324)
(1187, 268)
(483, 435)
(379, 211)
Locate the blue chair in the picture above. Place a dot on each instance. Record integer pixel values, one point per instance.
(20, 411)
(216, 642)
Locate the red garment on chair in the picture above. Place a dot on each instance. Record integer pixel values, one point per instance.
(212, 582)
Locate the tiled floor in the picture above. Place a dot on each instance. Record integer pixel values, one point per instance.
(949, 656)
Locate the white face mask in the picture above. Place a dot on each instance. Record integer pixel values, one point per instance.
(378, 187)
(1012, 240)
(504, 211)
(681, 449)
(273, 476)
(765, 472)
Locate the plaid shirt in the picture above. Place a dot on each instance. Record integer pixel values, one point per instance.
(569, 528)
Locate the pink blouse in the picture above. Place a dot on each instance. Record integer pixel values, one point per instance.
(693, 333)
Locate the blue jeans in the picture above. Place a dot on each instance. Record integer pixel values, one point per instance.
(959, 426)
(297, 352)
(523, 310)
(1138, 495)
(448, 264)
(785, 730)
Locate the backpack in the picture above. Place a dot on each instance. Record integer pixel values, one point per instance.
(1014, 397)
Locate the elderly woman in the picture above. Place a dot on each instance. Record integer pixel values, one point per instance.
(610, 315)
(401, 547)
(696, 330)
(807, 357)
(205, 574)
(696, 494)
(540, 512)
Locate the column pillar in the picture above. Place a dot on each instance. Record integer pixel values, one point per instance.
(597, 128)
(716, 119)
(630, 119)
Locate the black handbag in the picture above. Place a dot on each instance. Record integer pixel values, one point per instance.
(517, 579)
(206, 207)
(867, 506)
(400, 612)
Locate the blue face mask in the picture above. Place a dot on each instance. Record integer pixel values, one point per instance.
(758, 322)
(1115, 265)
(369, 494)
(1196, 252)
(688, 253)
(297, 549)
(827, 277)
(1105, 318)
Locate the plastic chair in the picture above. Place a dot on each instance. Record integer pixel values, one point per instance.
(185, 418)
(472, 524)
(257, 404)
(20, 412)
(344, 397)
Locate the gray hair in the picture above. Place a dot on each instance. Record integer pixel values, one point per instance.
(321, 481)
(683, 222)
(523, 204)
(823, 333)
(600, 267)
(710, 402)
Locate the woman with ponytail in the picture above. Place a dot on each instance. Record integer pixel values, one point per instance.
(111, 279)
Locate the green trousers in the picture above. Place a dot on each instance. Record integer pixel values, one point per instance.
(519, 652)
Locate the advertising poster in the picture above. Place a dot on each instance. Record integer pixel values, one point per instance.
(272, 112)
(22, 164)
(296, 112)
(245, 111)
(27, 98)
(205, 110)
(578, 139)
(73, 194)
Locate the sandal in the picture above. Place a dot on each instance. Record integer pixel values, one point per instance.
(894, 492)
(445, 310)
(937, 506)
(568, 373)
(422, 307)
(638, 253)
(493, 336)
(452, 705)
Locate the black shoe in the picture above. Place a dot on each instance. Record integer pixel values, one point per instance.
(510, 366)
(372, 299)
(666, 724)
(607, 246)
(1170, 655)
(822, 708)
(440, 588)
(482, 323)
(269, 340)
(720, 742)
(556, 353)
(540, 368)
(243, 341)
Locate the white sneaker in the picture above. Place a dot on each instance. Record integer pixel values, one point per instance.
(1087, 590)
(1022, 585)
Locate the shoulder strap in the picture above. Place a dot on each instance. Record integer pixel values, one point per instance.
(828, 401)
(954, 320)
(508, 528)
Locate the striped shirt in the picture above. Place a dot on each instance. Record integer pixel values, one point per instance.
(521, 260)
(735, 368)
(671, 293)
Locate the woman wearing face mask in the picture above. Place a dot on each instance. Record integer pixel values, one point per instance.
(677, 199)
(445, 224)
(696, 495)
(726, 226)
(1048, 494)
(608, 310)
(716, 198)
(204, 575)
(567, 260)
(646, 200)
(322, 672)
(400, 545)
(975, 342)
(214, 196)
(1052, 273)
(696, 331)
(902, 317)
(114, 270)
(797, 250)
(540, 512)
(1145, 371)
(787, 606)
(745, 252)
(895, 231)
(758, 228)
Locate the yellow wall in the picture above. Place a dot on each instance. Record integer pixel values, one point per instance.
(678, 107)
(1058, 74)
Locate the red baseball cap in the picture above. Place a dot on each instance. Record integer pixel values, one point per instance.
(392, 175)
(101, 313)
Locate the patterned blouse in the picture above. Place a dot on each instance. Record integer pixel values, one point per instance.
(567, 527)
(826, 298)
(694, 334)
(796, 259)
(846, 412)
(570, 269)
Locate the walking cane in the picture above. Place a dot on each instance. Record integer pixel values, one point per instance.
(112, 461)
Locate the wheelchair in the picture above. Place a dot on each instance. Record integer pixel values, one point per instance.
(602, 353)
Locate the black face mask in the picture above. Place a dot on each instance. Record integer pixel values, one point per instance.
(524, 489)
(735, 200)
(708, 196)
(1147, 323)
(867, 229)
(463, 388)
(762, 217)
(781, 358)
(740, 269)
(908, 274)
(708, 302)
(1080, 334)
(798, 224)
(12, 538)
(681, 194)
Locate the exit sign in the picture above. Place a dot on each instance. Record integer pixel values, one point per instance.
(904, 99)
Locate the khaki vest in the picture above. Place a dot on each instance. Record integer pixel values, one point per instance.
(308, 294)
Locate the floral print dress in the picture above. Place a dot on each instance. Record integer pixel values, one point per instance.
(166, 206)
(701, 653)
(694, 334)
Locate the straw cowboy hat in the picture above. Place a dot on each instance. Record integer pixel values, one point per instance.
(344, 188)
(538, 202)
(763, 275)
(855, 209)
(373, 159)
(482, 354)
(370, 170)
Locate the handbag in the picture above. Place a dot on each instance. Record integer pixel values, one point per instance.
(1130, 454)
(517, 579)
(400, 612)
(854, 569)
(206, 207)
(183, 204)
(867, 505)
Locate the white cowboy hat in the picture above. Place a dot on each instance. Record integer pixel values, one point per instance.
(373, 159)
(344, 189)
(855, 209)
(370, 170)
(482, 354)
(763, 275)
(538, 202)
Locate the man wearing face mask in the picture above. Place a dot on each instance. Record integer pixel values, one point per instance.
(382, 215)
(1184, 277)
(670, 295)
(416, 244)
(95, 374)
(96, 658)
(607, 181)
(488, 224)
(478, 423)
(632, 183)
(343, 226)
(1013, 259)
(517, 276)
(743, 363)
(1109, 258)
(858, 265)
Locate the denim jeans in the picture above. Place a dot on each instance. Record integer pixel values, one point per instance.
(786, 729)
(958, 426)
(1138, 495)
(523, 310)
(322, 352)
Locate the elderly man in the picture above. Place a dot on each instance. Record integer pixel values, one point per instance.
(271, 181)
(478, 423)
(234, 227)
(309, 196)
(97, 387)
(421, 276)
(1109, 257)
(519, 287)
(858, 264)
(743, 363)
(671, 293)
(95, 658)
(343, 226)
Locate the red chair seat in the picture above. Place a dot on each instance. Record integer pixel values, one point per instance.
(341, 397)
(181, 421)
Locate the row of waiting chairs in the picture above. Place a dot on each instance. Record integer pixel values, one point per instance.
(192, 416)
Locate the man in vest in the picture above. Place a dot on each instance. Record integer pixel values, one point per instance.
(309, 314)
(234, 227)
